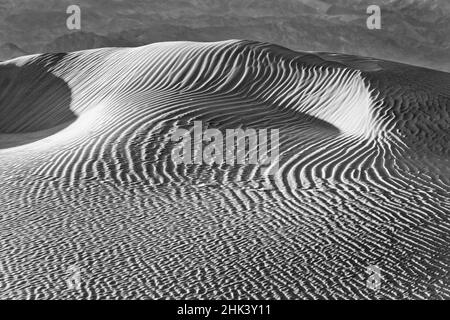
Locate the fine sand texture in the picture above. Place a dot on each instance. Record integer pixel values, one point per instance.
(87, 177)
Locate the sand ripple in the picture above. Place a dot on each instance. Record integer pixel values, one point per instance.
(88, 180)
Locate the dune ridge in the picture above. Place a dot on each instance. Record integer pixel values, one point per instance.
(364, 174)
(242, 68)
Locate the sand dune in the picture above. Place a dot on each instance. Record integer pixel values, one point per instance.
(88, 179)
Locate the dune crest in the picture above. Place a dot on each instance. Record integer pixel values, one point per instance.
(312, 84)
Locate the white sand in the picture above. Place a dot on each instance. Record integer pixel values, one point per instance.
(87, 177)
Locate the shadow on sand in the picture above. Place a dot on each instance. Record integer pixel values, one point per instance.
(34, 103)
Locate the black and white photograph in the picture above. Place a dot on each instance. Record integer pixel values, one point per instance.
(224, 150)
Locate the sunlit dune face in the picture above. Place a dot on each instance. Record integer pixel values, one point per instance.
(89, 178)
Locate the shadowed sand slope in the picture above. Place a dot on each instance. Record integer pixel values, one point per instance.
(88, 179)
(34, 103)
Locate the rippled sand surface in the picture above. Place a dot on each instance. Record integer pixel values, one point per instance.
(87, 177)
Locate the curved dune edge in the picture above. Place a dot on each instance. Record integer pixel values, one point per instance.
(342, 90)
(336, 95)
(363, 178)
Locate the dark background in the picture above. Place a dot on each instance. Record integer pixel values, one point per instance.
(413, 31)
